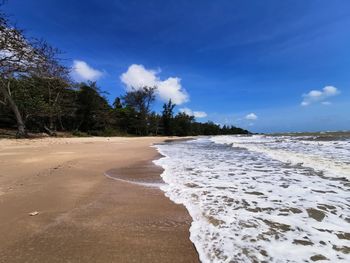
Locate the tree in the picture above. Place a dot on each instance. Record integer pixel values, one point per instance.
(183, 124)
(93, 112)
(21, 57)
(117, 104)
(54, 78)
(167, 118)
(126, 120)
(140, 101)
(30, 101)
(154, 123)
(16, 56)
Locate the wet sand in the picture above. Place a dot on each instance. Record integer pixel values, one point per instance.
(85, 216)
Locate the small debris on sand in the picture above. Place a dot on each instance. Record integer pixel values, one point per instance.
(34, 213)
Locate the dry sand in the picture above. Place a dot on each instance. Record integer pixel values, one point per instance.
(83, 215)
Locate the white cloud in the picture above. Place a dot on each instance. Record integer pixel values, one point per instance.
(171, 89)
(200, 114)
(81, 71)
(251, 117)
(319, 96)
(197, 114)
(137, 76)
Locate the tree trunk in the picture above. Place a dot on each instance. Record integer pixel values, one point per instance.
(60, 121)
(49, 132)
(20, 124)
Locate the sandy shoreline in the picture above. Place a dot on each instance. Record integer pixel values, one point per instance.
(83, 215)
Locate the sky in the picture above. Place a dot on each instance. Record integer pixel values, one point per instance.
(268, 66)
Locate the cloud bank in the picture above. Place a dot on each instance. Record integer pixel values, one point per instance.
(81, 71)
(196, 114)
(137, 76)
(319, 96)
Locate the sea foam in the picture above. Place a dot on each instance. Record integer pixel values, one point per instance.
(249, 204)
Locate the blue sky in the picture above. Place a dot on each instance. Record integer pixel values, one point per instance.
(261, 65)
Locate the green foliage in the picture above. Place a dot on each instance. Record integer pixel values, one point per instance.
(138, 103)
(53, 105)
(93, 111)
(154, 124)
(167, 118)
(183, 124)
(117, 104)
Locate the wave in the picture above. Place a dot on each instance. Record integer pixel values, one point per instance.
(331, 157)
(249, 207)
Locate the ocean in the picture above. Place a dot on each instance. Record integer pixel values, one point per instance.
(263, 198)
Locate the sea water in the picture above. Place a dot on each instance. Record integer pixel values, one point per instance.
(263, 198)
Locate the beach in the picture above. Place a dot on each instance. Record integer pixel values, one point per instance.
(82, 214)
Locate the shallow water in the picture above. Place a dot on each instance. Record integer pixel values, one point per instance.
(263, 198)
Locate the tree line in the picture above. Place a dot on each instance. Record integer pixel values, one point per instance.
(38, 95)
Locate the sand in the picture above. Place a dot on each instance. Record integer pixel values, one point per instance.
(85, 216)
